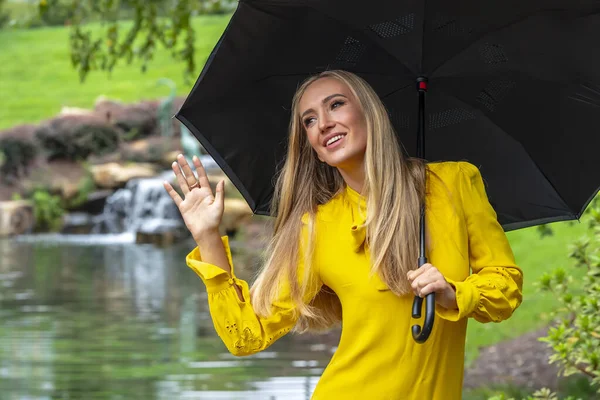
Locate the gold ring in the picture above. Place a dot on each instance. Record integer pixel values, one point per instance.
(195, 185)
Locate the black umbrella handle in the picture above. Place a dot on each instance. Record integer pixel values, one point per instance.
(420, 335)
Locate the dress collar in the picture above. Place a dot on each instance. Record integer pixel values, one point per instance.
(358, 228)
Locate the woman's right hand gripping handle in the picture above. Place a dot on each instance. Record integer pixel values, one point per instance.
(201, 211)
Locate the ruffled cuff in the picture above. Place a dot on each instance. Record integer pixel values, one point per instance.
(467, 299)
(215, 278)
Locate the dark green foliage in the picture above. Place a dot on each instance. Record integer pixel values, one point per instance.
(4, 15)
(155, 23)
(136, 121)
(56, 12)
(575, 340)
(18, 151)
(575, 336)
(48, 211)
(76, 137)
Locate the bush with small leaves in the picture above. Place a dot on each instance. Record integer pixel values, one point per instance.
(19, 150)
(575, 339)
(542, 394)
(75, 137)
(575, 336)
(48, 211)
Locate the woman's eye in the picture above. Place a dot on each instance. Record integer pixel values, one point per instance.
(308, 121)
(337, 103)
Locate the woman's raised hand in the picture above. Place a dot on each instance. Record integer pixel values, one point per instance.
(201, 210)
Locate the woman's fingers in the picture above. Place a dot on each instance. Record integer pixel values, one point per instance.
(190, 178)
(174, 195)
(429, 276)
(431, 288)
(412, 275)
(202, 178)
(220, 195)
(180, 178)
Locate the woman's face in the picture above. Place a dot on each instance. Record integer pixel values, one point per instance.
(335, 124)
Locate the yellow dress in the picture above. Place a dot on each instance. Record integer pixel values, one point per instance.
(377, 357)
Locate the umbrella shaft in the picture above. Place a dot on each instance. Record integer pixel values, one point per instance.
(421, 89)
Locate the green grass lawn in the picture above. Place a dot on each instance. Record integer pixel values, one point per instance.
(37, 79)
(536, 256)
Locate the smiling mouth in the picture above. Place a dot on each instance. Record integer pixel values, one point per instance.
(334, 139)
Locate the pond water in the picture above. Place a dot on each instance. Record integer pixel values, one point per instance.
(99, 317)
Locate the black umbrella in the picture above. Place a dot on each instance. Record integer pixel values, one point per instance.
(513, 86)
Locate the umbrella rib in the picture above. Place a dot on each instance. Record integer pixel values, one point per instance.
(483, 115)
(395, 91)
(362, 30)
(483, 34)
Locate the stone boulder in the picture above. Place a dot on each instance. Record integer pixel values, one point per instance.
(236, 214)
(16, 217)
(60, 177)
(115, 175)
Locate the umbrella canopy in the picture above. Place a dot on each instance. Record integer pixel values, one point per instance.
(513, 87)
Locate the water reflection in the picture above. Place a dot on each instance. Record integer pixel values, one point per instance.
(99, 320)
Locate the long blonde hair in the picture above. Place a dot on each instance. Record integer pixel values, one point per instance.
(394, 187)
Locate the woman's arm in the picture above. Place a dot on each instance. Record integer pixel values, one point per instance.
(494, 290)
(212, 248)
(241, 330)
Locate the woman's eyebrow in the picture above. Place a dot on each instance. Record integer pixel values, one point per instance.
(325, 100)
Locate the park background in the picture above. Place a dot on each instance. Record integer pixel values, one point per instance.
(96, 301)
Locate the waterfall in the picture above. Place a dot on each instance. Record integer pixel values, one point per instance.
(143, 205)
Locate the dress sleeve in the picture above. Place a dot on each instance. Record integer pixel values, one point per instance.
(494, 289)
(241, 330)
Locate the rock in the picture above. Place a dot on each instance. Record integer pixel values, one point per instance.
(77, 223)
(94, 204)
(236, 213)
(75, 111)
(16, 217)
(150, 150)
(59, 177)
(115, 175)
(160, 232)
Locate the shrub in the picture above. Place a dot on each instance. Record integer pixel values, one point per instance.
(217, 6)
(75, 137)
(135, 120)
(85, 186)
(48, 211)
(56, 12)
(18, 149)
(575, 340)
(575, 336)
(4, 15)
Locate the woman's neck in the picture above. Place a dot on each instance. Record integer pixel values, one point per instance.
(355, 177)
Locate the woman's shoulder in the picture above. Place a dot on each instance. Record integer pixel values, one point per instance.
(449, 180)
(452, 172)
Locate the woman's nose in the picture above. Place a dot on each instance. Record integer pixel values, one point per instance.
(325, 122)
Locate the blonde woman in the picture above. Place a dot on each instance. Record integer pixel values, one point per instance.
(345, 248)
